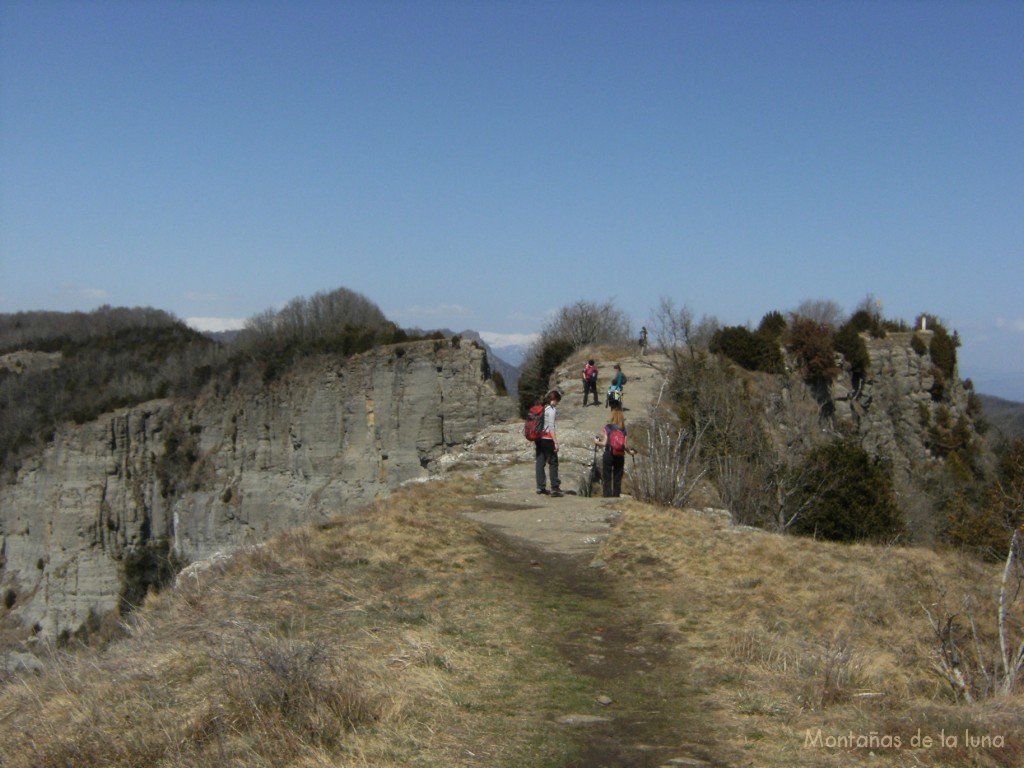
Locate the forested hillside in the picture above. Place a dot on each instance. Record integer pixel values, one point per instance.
(57, 367)
(95, 362)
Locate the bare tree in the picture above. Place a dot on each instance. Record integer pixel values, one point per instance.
(673, 331)
(586, 323)
(962, 659)
(304, 320)
(822, 311)
(678, 335)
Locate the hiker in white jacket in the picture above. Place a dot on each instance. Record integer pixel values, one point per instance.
(547, 447)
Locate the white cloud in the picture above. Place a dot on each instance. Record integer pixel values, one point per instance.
(1017, 326)
(216, 324)
(499, 340)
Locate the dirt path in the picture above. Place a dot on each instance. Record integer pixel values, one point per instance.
(574, 524)
(552, 542)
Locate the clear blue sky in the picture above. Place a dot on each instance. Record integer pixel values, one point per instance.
(479, 164)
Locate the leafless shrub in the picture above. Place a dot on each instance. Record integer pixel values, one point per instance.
(838, 668)
(964, 656)
(744, 484)
(271, 679)
(821, 311)
(671, 469)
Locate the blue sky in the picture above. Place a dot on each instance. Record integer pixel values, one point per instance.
(476, 165)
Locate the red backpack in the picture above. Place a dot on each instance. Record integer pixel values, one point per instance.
(534, 426)
(617, 441)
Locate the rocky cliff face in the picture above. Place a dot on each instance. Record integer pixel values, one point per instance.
(97, 516)
(894, 407)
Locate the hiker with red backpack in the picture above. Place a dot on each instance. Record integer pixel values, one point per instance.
(615, 449)
(589, 381)
(546, 444)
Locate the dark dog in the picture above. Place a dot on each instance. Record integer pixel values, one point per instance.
(594, 478)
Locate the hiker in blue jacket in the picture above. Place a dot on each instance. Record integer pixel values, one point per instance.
(614, 400)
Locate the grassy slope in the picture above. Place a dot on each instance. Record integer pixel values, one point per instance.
(786, 636)
(406, 636)
(390, 638)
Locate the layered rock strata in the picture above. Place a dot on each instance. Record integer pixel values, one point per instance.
(100, 514)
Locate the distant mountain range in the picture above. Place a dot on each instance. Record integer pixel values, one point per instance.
(513, 354)
(1005, 416)
(505, 360)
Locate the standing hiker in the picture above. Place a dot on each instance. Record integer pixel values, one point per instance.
(615, 389)
(613, 463)
(589, 381)
(643, 340)
(547, 447)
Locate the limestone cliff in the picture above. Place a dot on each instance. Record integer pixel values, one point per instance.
(896, 406)
(96, 516)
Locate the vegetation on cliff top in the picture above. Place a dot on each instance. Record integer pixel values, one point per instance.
(117, 357)
(734, 430)
(108, 359)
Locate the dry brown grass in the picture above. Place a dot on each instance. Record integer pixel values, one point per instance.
(383, 639)
(396, 637)
(786, 636)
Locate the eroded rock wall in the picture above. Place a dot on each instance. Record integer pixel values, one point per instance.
(197, 477)
(892, 408)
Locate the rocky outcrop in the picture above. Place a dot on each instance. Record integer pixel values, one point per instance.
(895, 405)
(96, 518)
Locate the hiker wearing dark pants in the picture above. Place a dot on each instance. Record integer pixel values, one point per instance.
(613, 463)
(589, 382)
(614, 399)
(547, 447)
